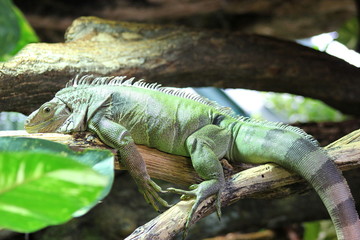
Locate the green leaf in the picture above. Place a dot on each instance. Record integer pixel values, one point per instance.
(27, 34)
(295, 108)
(311, 230)
(15, 31)
(316, 230)
(348, 33)
(45, 183)
(9, 27)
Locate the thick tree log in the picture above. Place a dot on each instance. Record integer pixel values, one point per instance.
(155, 160)
(285, 19)
(265, 181)
(345, 152)
(178, 57)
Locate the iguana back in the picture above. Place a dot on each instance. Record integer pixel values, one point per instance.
(122, 113)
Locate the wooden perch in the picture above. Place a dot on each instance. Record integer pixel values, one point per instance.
(175, 56)
(264, 181)
(155, 160)
(284, 19)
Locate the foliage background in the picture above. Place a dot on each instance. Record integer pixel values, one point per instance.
(15, 33)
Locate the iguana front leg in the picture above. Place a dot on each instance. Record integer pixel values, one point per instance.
(117, 136)
(206, 147)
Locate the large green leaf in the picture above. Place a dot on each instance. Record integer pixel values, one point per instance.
(45, 183)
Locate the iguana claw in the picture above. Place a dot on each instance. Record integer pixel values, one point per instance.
(200, 192)
(150, 190)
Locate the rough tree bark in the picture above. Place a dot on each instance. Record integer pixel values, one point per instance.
(284, 19)
(175, 56)
(265, 181)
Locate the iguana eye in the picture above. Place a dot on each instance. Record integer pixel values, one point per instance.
(46, 109)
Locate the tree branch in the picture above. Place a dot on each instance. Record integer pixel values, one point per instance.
(264, 181)
(155, 160)
(283, 19)
(175, 56)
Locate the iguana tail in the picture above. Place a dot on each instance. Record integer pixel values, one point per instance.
(295, 150)
(332, 188)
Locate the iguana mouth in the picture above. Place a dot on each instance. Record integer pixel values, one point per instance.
(37, 127)
(41, 127)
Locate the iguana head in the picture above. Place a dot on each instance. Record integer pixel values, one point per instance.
(48, 118)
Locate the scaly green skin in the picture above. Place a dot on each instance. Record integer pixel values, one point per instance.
(122, 114)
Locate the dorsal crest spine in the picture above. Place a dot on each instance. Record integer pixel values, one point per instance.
(91, 80)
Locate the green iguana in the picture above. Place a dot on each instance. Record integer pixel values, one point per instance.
(123, 113)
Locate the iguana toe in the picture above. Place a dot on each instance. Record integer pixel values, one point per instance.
(150, 191)
(218, 205)
(200, 192)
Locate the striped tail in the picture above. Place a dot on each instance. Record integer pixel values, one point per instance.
(329, 183)
(297, 151)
